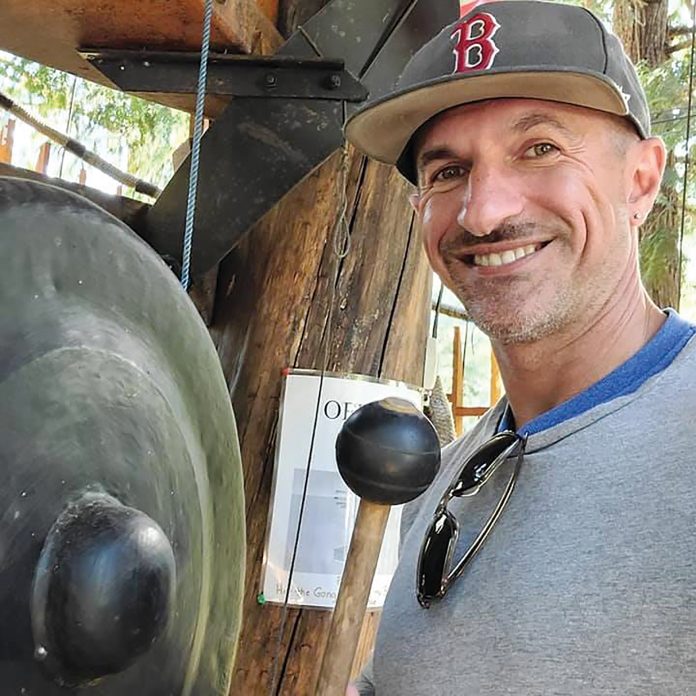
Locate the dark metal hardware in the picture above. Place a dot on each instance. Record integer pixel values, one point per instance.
(259, 148)
(285, 77)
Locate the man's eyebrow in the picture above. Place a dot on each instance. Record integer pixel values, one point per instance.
(439, 152)
(527, 122)
(538, 119)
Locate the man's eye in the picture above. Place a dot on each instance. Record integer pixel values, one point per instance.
(453, 171)
(541, 150)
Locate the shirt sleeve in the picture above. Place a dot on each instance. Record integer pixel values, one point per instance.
(365, 682)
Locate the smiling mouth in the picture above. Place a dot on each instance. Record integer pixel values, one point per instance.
(504, 257)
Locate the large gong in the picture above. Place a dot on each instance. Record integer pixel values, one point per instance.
(121, 497)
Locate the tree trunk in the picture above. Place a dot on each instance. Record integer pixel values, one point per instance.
(659, 246)
(271, 313)
(642, 25)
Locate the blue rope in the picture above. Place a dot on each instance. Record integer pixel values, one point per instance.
(196, 145)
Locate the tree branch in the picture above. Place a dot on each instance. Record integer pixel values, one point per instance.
(681, 30)
(678, 47)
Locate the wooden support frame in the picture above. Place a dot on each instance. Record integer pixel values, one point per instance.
(457, 380)
(271, 312)
(51, 32)
(7, 141)
(43, 158)
(456, 397)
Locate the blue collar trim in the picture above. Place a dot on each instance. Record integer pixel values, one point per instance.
(657, 354)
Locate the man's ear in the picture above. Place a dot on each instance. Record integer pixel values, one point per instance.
(415, 200)
(647, 167)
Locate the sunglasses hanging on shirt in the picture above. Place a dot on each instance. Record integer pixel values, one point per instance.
(435, 573)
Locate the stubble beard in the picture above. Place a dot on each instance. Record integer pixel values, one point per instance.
(507, 320)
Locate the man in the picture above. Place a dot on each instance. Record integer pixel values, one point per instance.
(526, 133)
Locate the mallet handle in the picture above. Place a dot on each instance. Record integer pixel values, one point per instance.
(353, 594)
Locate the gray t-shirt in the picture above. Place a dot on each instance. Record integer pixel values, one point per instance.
(587, 584)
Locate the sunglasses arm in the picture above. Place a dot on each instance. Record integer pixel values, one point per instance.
(490, 523)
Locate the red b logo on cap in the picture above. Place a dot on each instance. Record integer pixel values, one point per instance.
(475, 49)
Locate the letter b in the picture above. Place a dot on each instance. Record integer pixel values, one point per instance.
(475, 48)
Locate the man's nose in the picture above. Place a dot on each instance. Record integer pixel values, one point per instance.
(491, 197)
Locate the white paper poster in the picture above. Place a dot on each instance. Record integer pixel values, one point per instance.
(330, 507)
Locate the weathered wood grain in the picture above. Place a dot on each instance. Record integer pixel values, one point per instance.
(272, 312)
(353, 595)
(292, 13)
(52, 31)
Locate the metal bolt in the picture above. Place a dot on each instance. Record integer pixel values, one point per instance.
(270, 80)
(334, 81)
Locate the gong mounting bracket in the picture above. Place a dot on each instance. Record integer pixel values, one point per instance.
(229, 75)
(284, 117)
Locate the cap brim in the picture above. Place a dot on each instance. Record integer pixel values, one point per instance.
(383, 129)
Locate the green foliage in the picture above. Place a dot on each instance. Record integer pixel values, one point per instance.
(666, 87)
(655, 249)
(103, 119)
(666, 90)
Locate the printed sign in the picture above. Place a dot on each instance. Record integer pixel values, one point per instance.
(329, 509)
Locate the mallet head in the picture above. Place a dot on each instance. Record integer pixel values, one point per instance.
(388, 452)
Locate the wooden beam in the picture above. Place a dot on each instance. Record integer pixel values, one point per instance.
(7, 141)
(457, 396)
(496, 383)
(271, 312)
(464, 411)
(270, 9)
(244, 23)
(43, 159)
(52, 31)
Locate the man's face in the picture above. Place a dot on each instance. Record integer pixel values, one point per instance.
(524, 207)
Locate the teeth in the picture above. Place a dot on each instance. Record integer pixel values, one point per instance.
(505, 257)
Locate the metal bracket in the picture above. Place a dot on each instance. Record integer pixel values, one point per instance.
(285, 77)
(258, 148)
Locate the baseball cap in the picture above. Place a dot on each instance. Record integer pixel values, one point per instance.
(510, 48)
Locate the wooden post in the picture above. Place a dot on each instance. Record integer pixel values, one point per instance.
(269, 8)
(457, 396)
(459, 411)
(496, 388)
(7, 142)
(271, 312)
(43, 158)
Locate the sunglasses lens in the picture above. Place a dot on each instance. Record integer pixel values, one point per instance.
(435, 554)
(501, 445)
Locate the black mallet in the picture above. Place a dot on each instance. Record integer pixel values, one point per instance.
(388, 453)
